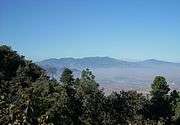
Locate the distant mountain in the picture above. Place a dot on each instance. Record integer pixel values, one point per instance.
(87, 62)
(113, 72)
(102, 62)
(158, 62)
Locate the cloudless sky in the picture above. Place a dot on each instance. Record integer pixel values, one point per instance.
(135, 29)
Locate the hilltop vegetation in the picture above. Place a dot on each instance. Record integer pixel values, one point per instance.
(28, 96)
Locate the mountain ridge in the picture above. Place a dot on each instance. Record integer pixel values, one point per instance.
(107, 57)
(96, 62)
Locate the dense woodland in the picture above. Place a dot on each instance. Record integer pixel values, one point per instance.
(29, 97)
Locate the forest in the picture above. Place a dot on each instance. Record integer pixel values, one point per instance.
(29, 97)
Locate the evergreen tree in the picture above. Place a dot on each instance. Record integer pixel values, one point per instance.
(161, 108)
(74, 102)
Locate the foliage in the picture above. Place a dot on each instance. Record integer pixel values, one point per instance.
(163, 104)
(28, 96)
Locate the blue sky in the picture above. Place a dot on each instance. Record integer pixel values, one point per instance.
(135, 29)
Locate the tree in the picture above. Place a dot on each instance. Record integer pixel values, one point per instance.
(67, 77)
(125, 108)
(175, 97)
(9, 62)
(17, 75)
(92, 99)
(159, 87)
(161, 108)
(74, 102)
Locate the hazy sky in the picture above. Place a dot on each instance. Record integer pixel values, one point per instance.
(137, 29)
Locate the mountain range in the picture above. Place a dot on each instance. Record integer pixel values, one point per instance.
(115, 74)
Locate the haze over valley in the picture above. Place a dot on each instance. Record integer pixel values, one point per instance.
(114, 74)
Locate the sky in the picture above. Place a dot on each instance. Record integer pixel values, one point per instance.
(133, 29)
